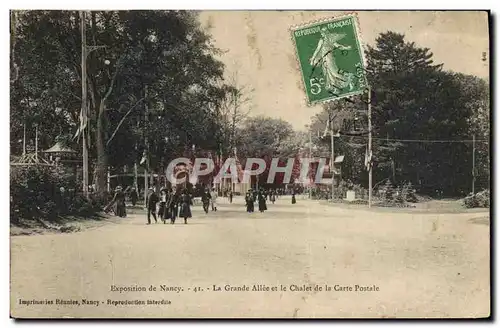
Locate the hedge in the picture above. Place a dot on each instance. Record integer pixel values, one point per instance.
(481, 199)
(46, 192)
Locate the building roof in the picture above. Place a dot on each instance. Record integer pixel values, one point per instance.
(59, 148)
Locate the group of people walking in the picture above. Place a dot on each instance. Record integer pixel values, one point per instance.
(260, 197)
(171, 205)
(167, 206)
(209, 198)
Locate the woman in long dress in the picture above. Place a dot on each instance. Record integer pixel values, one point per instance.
(294, 201)
(262, 201)
(213, 200)
(185, 204)
(163, 204)
(249, 202)
(119, 203)
(174, 205)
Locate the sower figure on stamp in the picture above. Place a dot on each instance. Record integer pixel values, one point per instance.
(151, 201)
(185, 206)
(324, 57)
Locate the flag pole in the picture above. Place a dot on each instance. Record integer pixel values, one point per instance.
(370, 175)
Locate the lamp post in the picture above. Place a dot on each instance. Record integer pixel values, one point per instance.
(232, 173)
(311, 148)
(314, 148)
(332, 159)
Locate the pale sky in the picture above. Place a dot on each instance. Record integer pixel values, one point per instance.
(260, 52)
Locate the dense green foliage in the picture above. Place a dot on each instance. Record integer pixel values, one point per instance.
(423, 121)
(35, 193)
(154, 78)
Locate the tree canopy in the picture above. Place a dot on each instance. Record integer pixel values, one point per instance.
(423, 120)
(152, 75)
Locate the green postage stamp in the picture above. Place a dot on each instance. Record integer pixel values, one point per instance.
(330, 58)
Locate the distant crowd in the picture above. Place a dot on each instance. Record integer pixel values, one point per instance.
(172, 203)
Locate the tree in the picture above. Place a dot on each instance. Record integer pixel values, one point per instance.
(348, 119)
(413, 101)
(291, 145)
(159, 61)
(260, 136)
(400, 74)
(475, 97)
(265, 138)
(232, 113)
(416, 100)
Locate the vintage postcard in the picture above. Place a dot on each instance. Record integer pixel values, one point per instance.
(249, 164)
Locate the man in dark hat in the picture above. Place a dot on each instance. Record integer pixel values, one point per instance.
(205, 200)
(151, 201)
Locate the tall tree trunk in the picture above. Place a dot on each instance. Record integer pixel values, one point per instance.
(102, 162)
